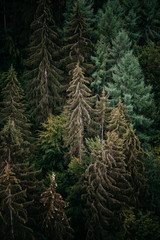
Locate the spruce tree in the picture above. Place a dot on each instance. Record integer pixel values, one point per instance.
(13, 106)
(79, 111)
(107, 189)
(13, 206)
(55, 222)
(44, 75)
(120, 123)
(78, 46)
(100, 61)
(128, 85)
(119, 47)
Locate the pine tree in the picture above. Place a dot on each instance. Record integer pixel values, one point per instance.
(44, 75)
(106, 188)
(78, 46)
(13, 207)
(79, 110)
(128, 85)
(55, 221)
(13, 106)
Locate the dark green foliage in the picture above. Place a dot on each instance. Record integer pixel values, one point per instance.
(78, 46)
(43, 74)
(128, 85)
(13, 203)
(139, 225)
(13, 107)
(55, 222)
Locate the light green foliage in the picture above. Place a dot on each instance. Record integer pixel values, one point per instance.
(128, 85)
(139, 225)
(119, 47)
(44, 75)
(51, 142)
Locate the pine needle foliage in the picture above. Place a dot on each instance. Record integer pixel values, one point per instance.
(79, 111)
(55, 221)
(44, 75)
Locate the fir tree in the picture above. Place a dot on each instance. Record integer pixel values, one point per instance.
(55, 221)
(13, 205)
(128, 85)
(79, 110)
(100, 61)
(120, 123)
(107, 188)
(43, 75)
(109, 21)
(119, 47)
(13, 106)
(78, 44)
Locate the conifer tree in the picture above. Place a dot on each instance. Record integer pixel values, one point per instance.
(79, 111)
(78, 46)
(13, 106)
(120, 123)
(13, 205)
(44, 75)
(109, 21)
(55, 221)
(128, 85)
(107, 189)
(100, 61)
(103, 113)
(119, 47)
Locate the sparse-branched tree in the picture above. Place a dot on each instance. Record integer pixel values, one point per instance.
(44, 75)
(13, 204)
(55, 222)
(79, 111)
(107, 188)
(13, 106)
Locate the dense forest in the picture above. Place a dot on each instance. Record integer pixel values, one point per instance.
(80, 119)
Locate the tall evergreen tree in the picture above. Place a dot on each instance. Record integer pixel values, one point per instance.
(13, 205)
(55, 221)
(119, 47)
(13, 106)
(100, 61)
(128, 84)
(79, 110)
(78, 44)
(120, 124)
(107, 188)
(44, 75)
